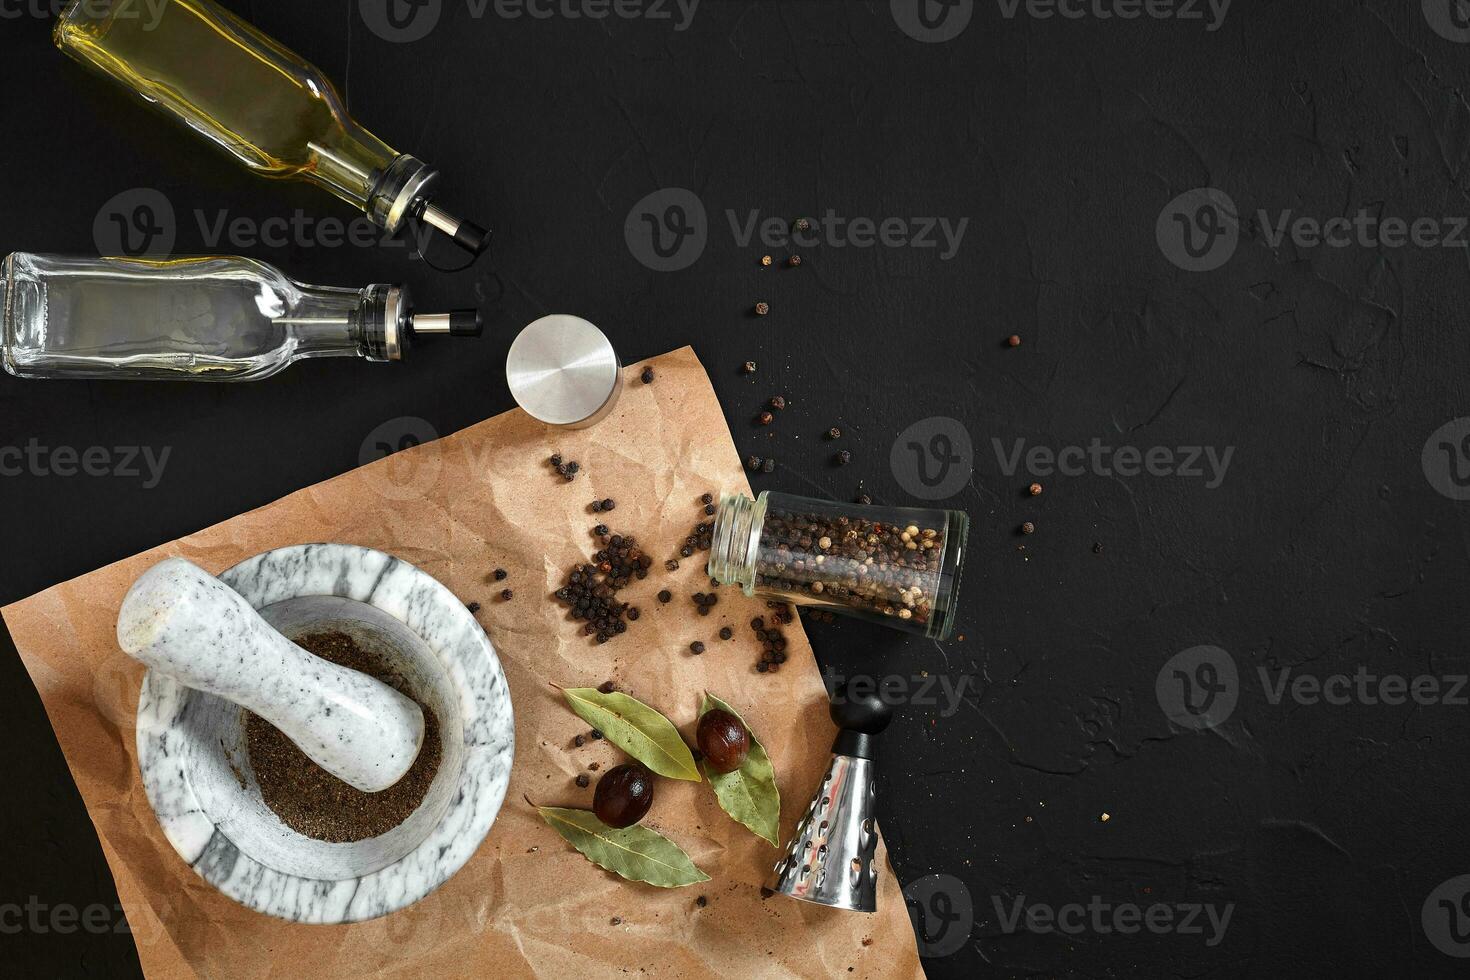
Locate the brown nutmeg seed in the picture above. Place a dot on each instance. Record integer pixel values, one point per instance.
(623, 795)
(723, 740)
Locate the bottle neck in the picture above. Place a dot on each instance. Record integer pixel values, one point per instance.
(329, 322)
(735, 540)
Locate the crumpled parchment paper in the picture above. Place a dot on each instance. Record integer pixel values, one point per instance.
(526, 904)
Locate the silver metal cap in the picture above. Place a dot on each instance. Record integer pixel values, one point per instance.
(831, 859)
(563, 371)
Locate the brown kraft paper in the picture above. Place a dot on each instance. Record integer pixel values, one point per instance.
(526, 904)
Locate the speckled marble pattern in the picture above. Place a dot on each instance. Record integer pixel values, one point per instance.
(168, 752)
(180, 620)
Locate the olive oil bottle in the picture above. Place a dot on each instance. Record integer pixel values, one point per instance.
(216, 318)
(272, 110)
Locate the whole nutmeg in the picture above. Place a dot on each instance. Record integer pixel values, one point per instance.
(623, 795)
(723, 740)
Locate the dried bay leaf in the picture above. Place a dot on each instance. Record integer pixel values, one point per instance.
(749, 794)
(637, 729)
(635, 852)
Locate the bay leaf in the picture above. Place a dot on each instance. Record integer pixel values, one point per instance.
(749, 794)
(637, 729)
(635, 852)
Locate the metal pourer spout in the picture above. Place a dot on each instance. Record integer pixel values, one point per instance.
(457, 323)
(466, 234)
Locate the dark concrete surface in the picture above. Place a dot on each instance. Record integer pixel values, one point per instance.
(1290, 495)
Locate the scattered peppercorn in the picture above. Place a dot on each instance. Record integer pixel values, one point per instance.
(761, 309)
(507, 594)
(707, 498)
(579, 740)
(665, 595)
(765, 260)
(583, 781)
(1014, 340)
(615, 920)
(1028, 528)
(834, 433)
(778, 402)
(500, 574)
(607, 687)
(473, 607)
(844, 457)
(753, 463)
(802, 224)
(709, 510)
(864, 499)
(701, 901)
(608, 503)
(768, 465)
(1035, 489)
(633, 614)
(794, 261)
(556, 459)
(765, 418)
(647, 376)
(748, 367)
(596, 506)
(726, 633)
(596, 735)
(1097, 548)
(696, 647)
(600, 530)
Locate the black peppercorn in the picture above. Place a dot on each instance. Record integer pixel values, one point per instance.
(696, 647)
(844, 457)
(778, 402)
(507, 594)
(473, 607)
(726, 633)
(556, 460)
(579, 740)
(500, 574)
(707, 498)
(608, 504)
(596, 735)
(665, 595)
(768, 466)
(583, 781)
(647, 376)
(607, 687)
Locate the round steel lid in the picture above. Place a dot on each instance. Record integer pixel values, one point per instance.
(563, 371)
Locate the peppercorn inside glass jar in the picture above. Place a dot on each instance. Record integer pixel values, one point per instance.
(899, 566)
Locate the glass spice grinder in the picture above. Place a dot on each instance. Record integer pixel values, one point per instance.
(273, 111)
(899, 566)
(219, 318)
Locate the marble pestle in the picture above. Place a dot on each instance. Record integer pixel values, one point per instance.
(180, 620)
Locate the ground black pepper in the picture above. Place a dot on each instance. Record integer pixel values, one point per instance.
(312, 801)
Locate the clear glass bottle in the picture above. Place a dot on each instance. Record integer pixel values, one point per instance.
(207, 319)
(899, 566)
(267, 106)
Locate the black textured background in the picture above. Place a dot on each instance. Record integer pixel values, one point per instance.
(1323, 827)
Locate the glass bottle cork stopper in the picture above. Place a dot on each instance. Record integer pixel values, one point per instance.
(563, 371)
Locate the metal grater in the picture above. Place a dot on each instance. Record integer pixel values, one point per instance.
(831, 858)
